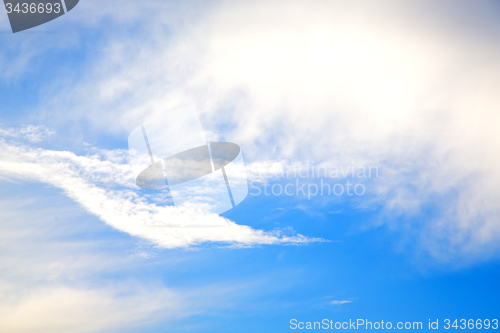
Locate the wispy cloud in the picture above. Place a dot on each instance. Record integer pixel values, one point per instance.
(416, 95)
(30, 133)
(57, 273)
(69, 309)
(105, 188)
(337, 302)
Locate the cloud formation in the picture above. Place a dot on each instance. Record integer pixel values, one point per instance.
(69, 274)
(367, 83)
(410, 87)
(104, 186)
(30, 133)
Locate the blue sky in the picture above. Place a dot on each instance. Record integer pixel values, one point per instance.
(408, 88)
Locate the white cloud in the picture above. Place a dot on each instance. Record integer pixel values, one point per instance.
(337, 302)
(105, 189)
(410, 87)
(30, 133)
(354, 83)
(70, 275)
(50, 280)
(66, 309)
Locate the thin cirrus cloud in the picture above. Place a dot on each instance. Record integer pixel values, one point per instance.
(410, 87)
(103, 185)
(30, 133)
(64, 309)
(58, 283)
(384, 84)
(61, 282)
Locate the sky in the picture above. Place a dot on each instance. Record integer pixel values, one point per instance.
(369, 132)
